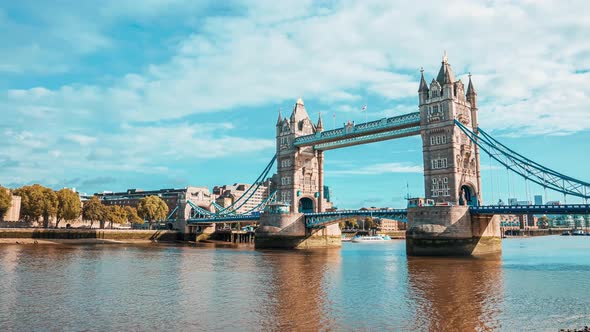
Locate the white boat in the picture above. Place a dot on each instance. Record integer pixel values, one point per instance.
(346, 239)
(374, 238)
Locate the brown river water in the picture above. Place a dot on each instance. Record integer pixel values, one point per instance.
(538, 283)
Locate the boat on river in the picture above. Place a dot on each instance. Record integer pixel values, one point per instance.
(346, 239)
(371, 238)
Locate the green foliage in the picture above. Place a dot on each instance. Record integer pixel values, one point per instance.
(5, 201)
(152, 208)
(369, 223)
(132, 216)
(93, 210)
(68, 206)
(116, 214)
(37, 201)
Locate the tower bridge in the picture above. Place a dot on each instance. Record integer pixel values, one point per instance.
(447, 122)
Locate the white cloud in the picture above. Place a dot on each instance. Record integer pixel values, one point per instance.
(143, 150)
(330, 53)
(82, 140)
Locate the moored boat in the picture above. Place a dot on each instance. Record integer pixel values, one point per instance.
(346, 239)
(373, 238)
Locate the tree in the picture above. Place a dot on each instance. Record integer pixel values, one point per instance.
(544, 222)
(152, 208)
(369, 223)
(5, 202)
(352, 223)
(93, 210)
(68, 206)
(116, 214)
(131, 214)
(37, 201)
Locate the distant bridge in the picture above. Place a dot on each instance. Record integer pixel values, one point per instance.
(322, 219)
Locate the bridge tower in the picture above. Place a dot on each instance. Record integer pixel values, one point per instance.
(451, 160)
(299, 183)
(451, 174)
(300, 175)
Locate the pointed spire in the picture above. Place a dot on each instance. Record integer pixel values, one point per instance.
(471, 88)
(445, 74)
(280, 119)
(423, 85)
(320, 125)
(299, 112)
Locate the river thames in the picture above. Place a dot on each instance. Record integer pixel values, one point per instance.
(538, 283)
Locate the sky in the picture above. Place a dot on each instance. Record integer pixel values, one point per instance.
(117, 94)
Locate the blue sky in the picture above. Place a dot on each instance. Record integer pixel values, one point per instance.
(117, 94)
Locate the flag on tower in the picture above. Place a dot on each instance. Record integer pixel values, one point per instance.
(364, 108)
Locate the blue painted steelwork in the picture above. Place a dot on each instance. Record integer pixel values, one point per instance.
(224, 219)
(217, 206)
(322, 219)
(530, 209)
(199, 209)
(171, 213)
(525, 167)
(250, 191)
(395, 123)
(252, 214)
(397, 133)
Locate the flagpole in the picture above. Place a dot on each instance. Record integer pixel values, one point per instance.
(334, 120)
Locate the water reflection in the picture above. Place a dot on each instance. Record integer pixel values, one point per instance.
(297, 298)
(456, 294)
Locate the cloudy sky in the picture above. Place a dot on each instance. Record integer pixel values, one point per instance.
(117, 94)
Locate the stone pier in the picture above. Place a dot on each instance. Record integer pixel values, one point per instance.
(451, 231)
(288, 231)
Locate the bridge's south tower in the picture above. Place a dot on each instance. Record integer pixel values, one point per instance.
(451, 160)
(300, 169)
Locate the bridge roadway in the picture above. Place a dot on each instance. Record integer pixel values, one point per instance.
(317, 220)
(530, 209)
(374, 131)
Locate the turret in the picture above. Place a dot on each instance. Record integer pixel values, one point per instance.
(320, 126)
(423, 90)
(445, 77)
(280, 119)
(471, 94)
(300, 122)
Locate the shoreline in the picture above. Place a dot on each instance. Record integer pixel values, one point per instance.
(33, 241)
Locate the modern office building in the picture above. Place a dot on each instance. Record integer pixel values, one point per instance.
(226, 195)
(538, 200)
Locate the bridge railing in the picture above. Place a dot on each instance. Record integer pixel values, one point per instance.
(531, 209)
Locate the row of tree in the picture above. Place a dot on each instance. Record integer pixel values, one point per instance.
(38, 202)
(366, 223)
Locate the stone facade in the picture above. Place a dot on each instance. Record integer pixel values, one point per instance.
(451, 231)
(300, 178)
(13, 213)
(451, 160)
(288, 231)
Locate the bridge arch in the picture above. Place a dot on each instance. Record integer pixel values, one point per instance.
(468, 195)
(306, 205)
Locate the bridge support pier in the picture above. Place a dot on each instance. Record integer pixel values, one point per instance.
(451, 231)
(288, 231)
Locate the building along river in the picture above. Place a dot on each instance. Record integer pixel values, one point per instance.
(537, 283)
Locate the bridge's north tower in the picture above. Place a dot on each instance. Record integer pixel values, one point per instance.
(451, 160)
(300, 177)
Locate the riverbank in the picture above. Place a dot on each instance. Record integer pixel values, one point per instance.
(85, 236)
